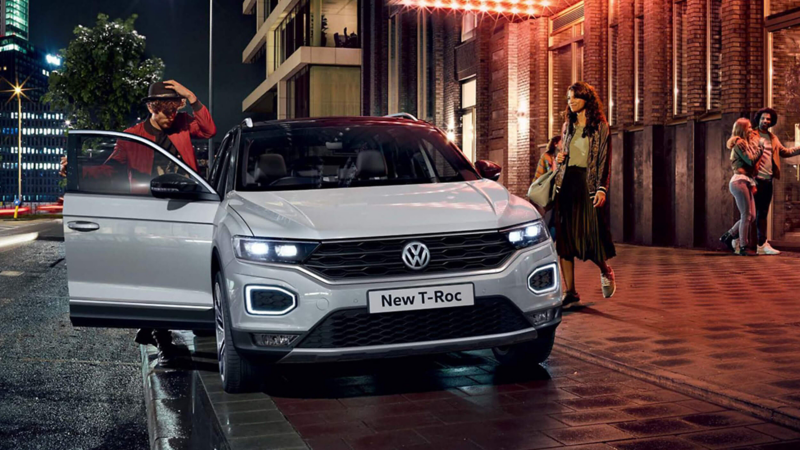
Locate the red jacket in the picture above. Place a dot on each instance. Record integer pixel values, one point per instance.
(184, 128)
(139, 158)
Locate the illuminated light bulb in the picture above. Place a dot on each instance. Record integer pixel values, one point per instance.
(514, 10)
(545, 3)
(531, 12)
(484, 8)
(438, 4)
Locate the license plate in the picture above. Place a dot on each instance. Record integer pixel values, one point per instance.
(413, 299)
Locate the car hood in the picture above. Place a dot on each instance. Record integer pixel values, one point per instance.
(322, 214)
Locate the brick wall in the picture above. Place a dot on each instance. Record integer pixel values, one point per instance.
(625, 64)
(658, 64)
(595, 57)
(696, 56)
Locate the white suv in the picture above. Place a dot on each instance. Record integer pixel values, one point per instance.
(313, 240)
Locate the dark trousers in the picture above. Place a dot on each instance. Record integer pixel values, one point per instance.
(763, 199)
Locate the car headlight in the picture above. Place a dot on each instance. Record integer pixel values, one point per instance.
(269, 250)
(528, 234)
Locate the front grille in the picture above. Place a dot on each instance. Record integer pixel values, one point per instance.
(359, 328)
(383, 257)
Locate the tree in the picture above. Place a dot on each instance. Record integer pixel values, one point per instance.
(104, 75)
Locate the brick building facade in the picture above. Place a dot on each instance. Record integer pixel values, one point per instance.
(674, 75)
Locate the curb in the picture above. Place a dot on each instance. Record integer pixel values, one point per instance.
(762, 408)
(187, 408)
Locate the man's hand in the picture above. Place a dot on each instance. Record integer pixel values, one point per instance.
(560, 158)
(181, 90)
(599, 199)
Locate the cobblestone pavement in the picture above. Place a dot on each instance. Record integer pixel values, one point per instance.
(467, 401)
(726, 323)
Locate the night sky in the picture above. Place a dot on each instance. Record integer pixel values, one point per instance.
(176, 32)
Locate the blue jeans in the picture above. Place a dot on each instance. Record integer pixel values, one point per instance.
(745, 201)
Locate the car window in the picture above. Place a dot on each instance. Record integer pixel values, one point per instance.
(114, 164)
(287, 156)
(219, 160)
(231, 160)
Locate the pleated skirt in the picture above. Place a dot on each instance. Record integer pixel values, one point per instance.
(581, 229)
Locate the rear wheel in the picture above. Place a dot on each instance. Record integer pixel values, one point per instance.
(238, 373)
(527, 353)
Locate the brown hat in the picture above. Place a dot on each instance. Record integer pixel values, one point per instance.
(160, 91)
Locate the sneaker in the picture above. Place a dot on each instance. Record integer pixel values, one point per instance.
(608, 283)
(570, 300)
(767, 249)
(742, 251)
(727, 239)
(736, 246)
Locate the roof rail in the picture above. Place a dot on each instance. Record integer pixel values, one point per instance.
(248, 122)
(403, 115)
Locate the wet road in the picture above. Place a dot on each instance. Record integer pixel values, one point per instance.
(61, 387)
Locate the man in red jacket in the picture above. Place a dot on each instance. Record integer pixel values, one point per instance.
(173, 132)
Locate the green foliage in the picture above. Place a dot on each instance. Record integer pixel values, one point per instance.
(104, 75)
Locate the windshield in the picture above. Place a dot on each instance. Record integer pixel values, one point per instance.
(291, 156)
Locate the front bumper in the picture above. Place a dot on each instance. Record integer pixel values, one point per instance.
(317, 300)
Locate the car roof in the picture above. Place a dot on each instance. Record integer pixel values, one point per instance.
(342, 121)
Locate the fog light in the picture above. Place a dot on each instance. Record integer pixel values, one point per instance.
(544, 279)
(268, 300)
(274, 340)
(540, 317)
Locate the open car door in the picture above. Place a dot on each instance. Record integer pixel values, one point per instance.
(138, 225)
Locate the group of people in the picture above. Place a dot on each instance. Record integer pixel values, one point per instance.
(581, 158)
(756, 160)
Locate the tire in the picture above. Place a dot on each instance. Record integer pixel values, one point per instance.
(527, 353)
(238, 374)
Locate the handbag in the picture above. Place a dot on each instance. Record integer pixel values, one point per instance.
(542, 190)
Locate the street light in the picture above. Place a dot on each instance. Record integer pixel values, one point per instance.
(18, 92)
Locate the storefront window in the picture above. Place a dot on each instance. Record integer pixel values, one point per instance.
(566, 62)
(468, 119)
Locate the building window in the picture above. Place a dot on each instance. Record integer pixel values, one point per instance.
(469, 137)
(293, 32)
(638, 50)
(680, 41)
(469, 22)
(394, 67)
(565, 61)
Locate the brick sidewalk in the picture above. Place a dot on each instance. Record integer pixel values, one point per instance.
(693, 319)
(466, 401)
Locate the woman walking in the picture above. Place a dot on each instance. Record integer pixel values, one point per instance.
(547, 163)
(745, 157)
(582, 181)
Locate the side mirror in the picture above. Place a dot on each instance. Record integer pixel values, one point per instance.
(174, 186)
(488, 169)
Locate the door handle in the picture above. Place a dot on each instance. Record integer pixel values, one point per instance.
(83, 226)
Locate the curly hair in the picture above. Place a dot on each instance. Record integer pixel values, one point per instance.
(553, 144)
(594, 108)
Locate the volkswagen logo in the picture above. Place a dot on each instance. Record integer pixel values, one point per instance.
(416, 255)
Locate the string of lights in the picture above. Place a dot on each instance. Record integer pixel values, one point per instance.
(528, 8)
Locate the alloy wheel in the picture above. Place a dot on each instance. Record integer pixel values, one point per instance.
(220, 328)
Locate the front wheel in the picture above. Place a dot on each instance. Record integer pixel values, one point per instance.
(238, 374)
(527, 353)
